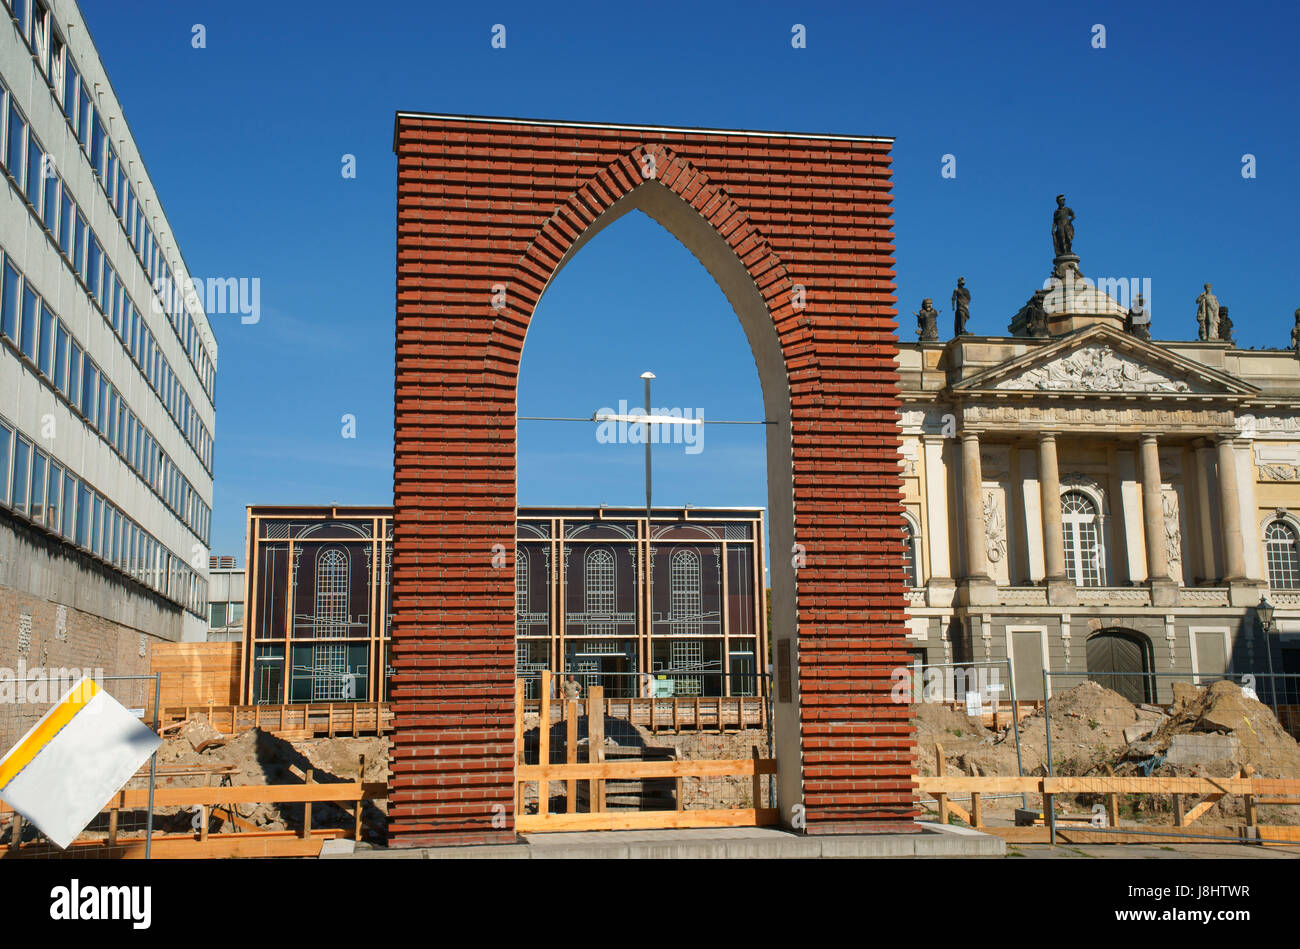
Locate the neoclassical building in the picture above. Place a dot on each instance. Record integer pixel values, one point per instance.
(1080, 497)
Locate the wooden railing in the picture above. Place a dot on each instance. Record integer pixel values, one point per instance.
(698, 713)
(292, 721)
(597, 771)
(1256, 792)
(245, 840)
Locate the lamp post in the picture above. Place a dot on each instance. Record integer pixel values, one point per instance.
(1264, 612)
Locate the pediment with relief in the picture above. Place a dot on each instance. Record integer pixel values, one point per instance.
(1104, 361)
(1097, 368)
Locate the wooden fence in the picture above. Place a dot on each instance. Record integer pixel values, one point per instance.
(1184, 792)
(245, 840)
(597, 771)
(291, 721)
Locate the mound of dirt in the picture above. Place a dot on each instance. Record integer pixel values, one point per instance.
(260, 757)
(1223, 708)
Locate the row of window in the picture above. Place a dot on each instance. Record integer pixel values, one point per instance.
(47, 493)
(29, 324)
(1084, 559)
(33, 175)
(36, 26)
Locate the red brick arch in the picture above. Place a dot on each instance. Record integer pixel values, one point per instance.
(492, 204)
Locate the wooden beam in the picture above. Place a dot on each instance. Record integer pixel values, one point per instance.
(543, 746)
(571, 754)
(636, 770)
(639, 820)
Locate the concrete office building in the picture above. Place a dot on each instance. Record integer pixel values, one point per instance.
(225, 600)
(107, 371)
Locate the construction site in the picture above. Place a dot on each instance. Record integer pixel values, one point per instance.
(231, 780)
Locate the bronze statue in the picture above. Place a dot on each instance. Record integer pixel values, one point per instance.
(1036, 317)
(1207, 315)
(960, 308)
(1137, 321)
(1295, 334)
(1062, 228)
(1225, 325)
(927, 321)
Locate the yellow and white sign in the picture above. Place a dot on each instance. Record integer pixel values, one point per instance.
(73, 761)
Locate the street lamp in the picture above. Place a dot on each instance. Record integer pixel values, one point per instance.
(1264, 612)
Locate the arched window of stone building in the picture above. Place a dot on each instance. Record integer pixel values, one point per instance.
(521, 590)
(1283, 556)
(331, 593)
(598, 592)
(911, 554)
(687, 595)
(1083, 552)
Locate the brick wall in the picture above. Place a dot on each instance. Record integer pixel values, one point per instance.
(498, 204)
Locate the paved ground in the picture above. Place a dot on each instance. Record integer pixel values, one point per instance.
(774, 843)
(710, 843)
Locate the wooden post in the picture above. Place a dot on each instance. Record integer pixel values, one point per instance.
(361, 801)
(940, 769)
(329, 719)
(544, 745)
(758, 780)
(1178, 810)
(1048, 820)
(306, 808)
(571, 754)
(354, 719)
(1112, 803)
(1246, 772)
(976, 813)
(16, 829)
(112, 827)
(520, 693)
(596, 745)
(203, 822)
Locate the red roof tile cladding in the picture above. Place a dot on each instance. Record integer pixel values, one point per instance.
(481, 203)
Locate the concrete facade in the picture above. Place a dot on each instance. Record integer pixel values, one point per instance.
(107, 366)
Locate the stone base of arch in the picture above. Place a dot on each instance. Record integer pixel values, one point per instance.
(797, 230)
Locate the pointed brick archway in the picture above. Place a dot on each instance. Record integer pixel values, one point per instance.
(797, 231)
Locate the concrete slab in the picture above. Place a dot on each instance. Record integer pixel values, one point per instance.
(725, 843)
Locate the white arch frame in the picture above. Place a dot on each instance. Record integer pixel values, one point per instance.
(1292, 522)
(913, 526)
(1071, 524)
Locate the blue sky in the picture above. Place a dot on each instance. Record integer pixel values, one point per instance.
(244, 141)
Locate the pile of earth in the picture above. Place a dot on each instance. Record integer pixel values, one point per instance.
(197, 755)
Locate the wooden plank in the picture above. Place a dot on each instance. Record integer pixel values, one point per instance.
(543, 746)
(940, 769)
(571, 754)
(306, 807)
(1200, 809)
(641, 820)
(596, 745)
(1099, 784)
(634, 770)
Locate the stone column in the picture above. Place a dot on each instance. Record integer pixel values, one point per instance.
(1234, 557)
(972, 503)
(939, 583)
(1049, 485)
(1153, 511)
